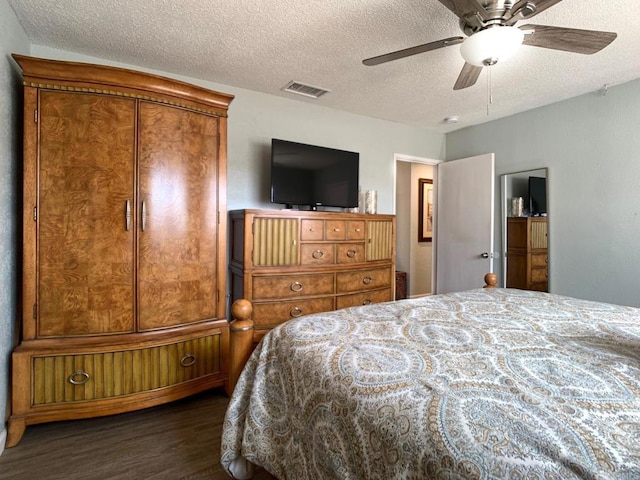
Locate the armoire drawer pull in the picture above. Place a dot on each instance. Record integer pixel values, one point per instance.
(367, 302)
(351, 253)
(296, 287)
(296, 312)
(187, 360)
(79, 377)
(317, 254)
(367, 280)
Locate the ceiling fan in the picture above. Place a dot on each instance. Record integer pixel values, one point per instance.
(492, 35)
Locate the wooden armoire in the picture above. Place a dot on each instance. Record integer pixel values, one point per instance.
(124, 250)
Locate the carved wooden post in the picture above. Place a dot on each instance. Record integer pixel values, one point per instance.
(491, 280)
(240, 340)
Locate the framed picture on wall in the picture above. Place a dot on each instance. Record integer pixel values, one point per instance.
(425, 210)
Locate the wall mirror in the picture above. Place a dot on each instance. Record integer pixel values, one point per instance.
(525, 241)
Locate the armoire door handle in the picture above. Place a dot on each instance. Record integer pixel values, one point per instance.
(144, 215)
(127, 214)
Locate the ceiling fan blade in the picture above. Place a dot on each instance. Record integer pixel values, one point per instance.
(407, 52)
(468, 76)
(567, 39)
(525, 9)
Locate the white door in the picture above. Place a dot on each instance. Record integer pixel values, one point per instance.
(464, 223)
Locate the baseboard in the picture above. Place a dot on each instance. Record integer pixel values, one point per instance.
(3, 438)
(421, 295)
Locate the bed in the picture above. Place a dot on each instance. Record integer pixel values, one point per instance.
(487, 383)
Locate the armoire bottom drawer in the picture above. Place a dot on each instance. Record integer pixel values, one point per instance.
(276, 313)
(365, 298)
(93, 376)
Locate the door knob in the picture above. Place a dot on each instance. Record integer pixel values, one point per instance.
(484, 255)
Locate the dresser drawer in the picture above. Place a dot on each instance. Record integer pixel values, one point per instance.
(363, 280)
(539, 260)
(335, 230)
(311, 230)
(317, 254)
(93, 376)
(355, 230)
(538, 275)
(285, 286)
(540, 287)
(365, 298)
(279, 312)
(350, 253)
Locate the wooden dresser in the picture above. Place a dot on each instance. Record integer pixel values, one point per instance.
(527, 256)
(292, 263)
(124, 242)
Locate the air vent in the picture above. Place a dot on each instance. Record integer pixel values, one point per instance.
(306, 90)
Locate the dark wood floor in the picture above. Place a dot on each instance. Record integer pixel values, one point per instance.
(177, 441)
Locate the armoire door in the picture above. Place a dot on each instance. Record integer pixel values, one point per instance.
(178, 200)
(85, 251)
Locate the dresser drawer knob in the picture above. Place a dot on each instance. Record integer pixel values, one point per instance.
(79, 377)
(317, 254)
(296, 312)
(336, 229)
(367, 302)
(367, 280)
(351, 253)
(187, 360)
(296, 287)
(357, 230)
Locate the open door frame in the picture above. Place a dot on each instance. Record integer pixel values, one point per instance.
(398, 157)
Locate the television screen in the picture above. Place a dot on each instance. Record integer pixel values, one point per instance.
(304, 175)
(537, 196)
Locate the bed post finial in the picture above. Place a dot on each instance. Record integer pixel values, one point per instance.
(491, 280)
(240, 340)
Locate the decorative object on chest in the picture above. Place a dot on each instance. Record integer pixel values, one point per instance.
(292, 263)
(124, 242)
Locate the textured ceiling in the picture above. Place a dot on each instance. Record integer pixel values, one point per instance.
(263, 44)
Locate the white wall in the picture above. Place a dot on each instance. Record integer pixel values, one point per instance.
(592, 149)
(12, 40)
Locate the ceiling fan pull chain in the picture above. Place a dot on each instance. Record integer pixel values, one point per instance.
(489, 96)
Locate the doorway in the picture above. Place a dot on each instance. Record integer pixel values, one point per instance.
(413, 257)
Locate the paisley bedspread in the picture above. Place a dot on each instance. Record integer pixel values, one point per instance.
(487, 384)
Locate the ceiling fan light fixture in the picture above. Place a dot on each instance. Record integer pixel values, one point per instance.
(491, 45)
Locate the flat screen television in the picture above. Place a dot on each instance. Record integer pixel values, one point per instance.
(537, 196)
(309, 175)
